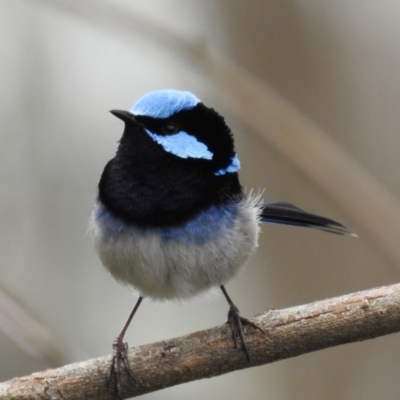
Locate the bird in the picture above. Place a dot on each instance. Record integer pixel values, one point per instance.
(171, 218)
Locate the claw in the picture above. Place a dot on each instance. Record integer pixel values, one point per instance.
(119, 357)
(236, 323)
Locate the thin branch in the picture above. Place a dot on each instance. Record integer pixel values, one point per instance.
(32, 336)
(205, 354)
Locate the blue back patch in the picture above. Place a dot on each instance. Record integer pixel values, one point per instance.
(234, 166)
(182, 145)
(164, 103)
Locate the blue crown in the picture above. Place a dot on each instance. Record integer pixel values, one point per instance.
(164, 103)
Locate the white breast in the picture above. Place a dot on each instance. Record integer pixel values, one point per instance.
(177, 263)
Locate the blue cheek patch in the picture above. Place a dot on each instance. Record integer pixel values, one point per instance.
(234, 166)
(164, 103)
(182, 145)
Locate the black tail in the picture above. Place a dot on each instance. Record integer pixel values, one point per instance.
(280, 212)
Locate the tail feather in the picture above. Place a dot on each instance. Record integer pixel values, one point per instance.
(281, 212)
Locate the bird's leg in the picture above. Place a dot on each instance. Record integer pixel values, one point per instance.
(236, 323)
(119, 355)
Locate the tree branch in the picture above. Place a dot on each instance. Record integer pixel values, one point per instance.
(204, 354)
(33, 337)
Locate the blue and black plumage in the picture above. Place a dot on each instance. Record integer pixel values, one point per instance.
(171, 218)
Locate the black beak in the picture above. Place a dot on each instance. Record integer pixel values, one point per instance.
(125, 116)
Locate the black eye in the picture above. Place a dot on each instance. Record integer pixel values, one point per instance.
(169, 128)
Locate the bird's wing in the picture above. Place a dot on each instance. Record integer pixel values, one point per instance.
(281, 212)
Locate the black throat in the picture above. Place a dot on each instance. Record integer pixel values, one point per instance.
(148, 187)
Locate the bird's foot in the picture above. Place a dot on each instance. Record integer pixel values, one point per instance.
(236, 323)
(119, 357)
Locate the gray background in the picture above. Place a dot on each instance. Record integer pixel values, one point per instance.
(65, 64)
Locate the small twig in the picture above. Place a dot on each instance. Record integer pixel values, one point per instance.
(204, 354)
(29, 333)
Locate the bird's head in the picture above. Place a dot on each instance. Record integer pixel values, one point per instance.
(182, 126)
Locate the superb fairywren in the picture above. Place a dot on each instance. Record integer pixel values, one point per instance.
(171, 218)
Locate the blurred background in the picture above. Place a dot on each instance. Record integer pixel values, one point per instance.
(65, 64)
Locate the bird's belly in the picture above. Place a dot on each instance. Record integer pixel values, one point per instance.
(178, 262)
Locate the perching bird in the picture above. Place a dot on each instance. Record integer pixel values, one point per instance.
(171, 218)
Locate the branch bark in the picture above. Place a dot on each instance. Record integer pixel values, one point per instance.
(204, 354)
